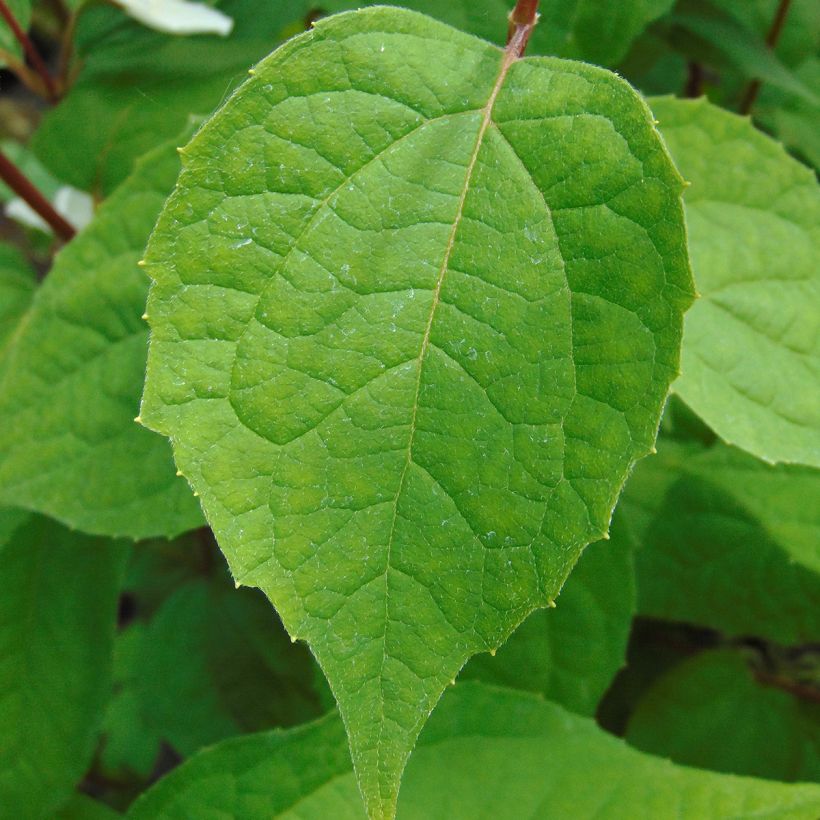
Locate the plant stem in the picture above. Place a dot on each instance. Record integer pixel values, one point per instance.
(523, 19)
(18, 182)
(31, 51)
(753, 89)
(694, 81)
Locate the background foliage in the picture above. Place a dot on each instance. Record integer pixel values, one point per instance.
(682, 661)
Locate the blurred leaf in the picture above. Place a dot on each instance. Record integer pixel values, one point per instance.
(751, 348)
(732, 546)
(800, 35)
(216, 662)
(747, 52)
(570, 654)
(17, 286)
(711, 712)
(83, 807)
(597, 31)
(793, 120)
(487, 752)
(71, 380)
(131, 739)
(198, 661)
(381, 418)
(137, 87)
(57, 616)
(21, 11)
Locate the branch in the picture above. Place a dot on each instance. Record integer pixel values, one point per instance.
(753, 89)
(31, 51)
(523, 19)
(17, 181)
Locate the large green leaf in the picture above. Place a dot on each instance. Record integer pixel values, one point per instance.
(17, 285)
(595, 30)
(730, 543)
(571, 653)
(138, 87)
(416, 307)
(486, 753)
(71, 379)
(712, 713)
(752, 342)
(58, 609)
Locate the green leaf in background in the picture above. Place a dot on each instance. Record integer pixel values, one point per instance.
(594, 30)
(17, 286)
(82, 807)
(748, 53)
(570, 654)
(791, 118)
(712, 713)
(214, 662)
(70, 382)
(751, 353)
(58, 610)
(487, 753)
(137, 87)
(800, 34)
(732, 546)
(416, 308)
(21, 11)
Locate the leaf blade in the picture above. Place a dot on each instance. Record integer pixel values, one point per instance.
(374, 357)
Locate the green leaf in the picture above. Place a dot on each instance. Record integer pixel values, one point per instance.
(747, 52)
(732, 545)
(214, 663)
(416, 307)
(710, 712)
(70, 382)
(752, 342)
(793, 120)
(486, 753)
(58, 611)
(594, 30)
(137, 87)
(82, 807)
(570, 654)
(17, 286)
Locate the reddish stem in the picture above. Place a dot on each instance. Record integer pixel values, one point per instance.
(15, 179)
(31, 51)
(523, 19)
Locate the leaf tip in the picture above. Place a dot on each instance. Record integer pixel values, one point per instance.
(551, 604)
(144, 317)
(179, 473)
(141, 263)
(138, 419)
(252, 72)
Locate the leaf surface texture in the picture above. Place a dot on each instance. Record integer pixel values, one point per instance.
(416, 307)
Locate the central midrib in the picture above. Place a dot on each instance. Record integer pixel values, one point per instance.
(511, 55)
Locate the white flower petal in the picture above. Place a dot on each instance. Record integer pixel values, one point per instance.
(178, 16)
